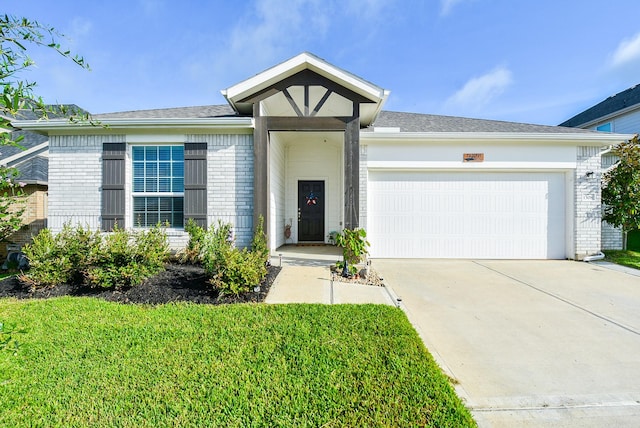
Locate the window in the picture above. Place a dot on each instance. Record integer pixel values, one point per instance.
(158, 185)
(606, 127)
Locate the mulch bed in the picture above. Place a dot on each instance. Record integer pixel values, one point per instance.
(178, 283)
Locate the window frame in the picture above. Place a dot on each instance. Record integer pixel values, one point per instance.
(157, 193)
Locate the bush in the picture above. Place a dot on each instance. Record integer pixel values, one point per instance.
(259, 243)
(192, 252)
(231, 270)
(60, 259)
(78, 255)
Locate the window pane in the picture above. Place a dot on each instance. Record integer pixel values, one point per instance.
(138, 153)
(152, 185)
(164, 185)
(138, 169)
(165, 204)
(152, 219)
(178, 204)
(178, 185)
(178, 220)
(152, 204)
(164, 153)
(139, 204)
(151, 169)
(151, 153)
(178, 169)
(178, 153)
(138, 184)
(166, 218)
(164, 169)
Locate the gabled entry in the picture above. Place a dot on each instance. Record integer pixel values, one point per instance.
(311, 200)
(305, 95)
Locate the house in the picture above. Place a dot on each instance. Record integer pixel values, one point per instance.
(307, 146)
(30, 160)
(618, 113)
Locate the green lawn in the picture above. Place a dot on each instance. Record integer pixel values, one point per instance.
(86, 362)
(624, 258)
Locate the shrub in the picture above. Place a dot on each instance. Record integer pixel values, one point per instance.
(192, 252)
(259, 243)
(79, 255)
(128, 258)
(231, 270)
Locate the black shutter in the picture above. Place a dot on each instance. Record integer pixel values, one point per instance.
(113, 182)
(195, 183)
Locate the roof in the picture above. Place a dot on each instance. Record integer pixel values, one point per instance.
(241, 96)
(198, 112)
(54, 111)
(34, 170)
(615, 103)
(407, 122)
(30, 140)
(418, 122)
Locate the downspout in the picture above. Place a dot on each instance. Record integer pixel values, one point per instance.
(597, 256)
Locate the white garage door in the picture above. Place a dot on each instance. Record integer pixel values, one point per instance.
(491, 215)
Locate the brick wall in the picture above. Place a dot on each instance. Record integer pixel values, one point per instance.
(588, 210)
(75, 175)
(230, 182)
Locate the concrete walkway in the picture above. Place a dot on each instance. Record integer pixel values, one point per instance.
(305, 278)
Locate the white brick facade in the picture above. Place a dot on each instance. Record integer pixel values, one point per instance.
(588, 209)
(75, 174)
(230, 182)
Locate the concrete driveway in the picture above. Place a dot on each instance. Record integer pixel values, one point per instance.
(530, 343)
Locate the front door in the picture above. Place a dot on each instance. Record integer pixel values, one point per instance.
(310, 210)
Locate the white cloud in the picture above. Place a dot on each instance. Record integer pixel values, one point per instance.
(628, 51)
(480, 90)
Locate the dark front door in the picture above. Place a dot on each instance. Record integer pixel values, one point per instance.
(310, 210)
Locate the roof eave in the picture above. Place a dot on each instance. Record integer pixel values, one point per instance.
(137, 123)
(595, 139)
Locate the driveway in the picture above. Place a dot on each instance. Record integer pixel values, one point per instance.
(530, 343)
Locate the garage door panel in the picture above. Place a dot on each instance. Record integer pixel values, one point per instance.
(466, 215)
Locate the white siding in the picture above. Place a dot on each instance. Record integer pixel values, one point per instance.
(314, 160)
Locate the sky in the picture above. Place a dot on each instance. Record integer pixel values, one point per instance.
(532, 61)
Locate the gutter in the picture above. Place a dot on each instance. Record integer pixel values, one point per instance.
(138, 123)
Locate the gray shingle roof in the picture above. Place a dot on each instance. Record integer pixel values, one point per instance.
(614, 103)
(31, 139)
(417, 122)
(35, 169)
(169, 113)
(407, 122)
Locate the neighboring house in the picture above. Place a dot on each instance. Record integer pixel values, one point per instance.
(306, 144)
(31, 161)
(619, 113)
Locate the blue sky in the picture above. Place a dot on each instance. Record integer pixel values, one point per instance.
(539, 61)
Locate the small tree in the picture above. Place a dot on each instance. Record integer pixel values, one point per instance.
(621, 188)
(16, 35)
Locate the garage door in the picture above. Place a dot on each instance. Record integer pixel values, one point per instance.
(491, 215)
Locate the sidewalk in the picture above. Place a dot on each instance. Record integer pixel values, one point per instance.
(305, 278)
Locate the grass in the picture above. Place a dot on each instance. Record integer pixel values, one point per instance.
(86, 362)
(623, 257)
